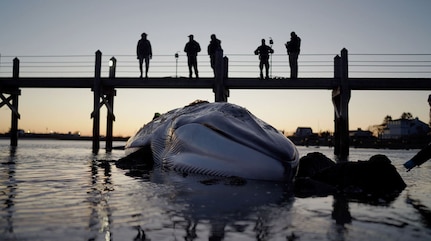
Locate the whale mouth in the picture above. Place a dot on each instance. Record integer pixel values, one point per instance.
(205, 149)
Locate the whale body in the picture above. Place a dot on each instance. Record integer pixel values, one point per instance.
(217, 139)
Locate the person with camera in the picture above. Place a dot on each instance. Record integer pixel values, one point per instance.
(264, 51)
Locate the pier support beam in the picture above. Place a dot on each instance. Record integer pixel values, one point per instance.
(96, 98)
(103, 96)
(221, 73)
(340, 99)
(12, 102)
(14, 118)
(15, 115)
(108, 98)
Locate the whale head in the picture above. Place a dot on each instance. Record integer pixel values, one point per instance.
(217, 139)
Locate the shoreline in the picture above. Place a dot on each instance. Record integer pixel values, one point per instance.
(65, 137)
(404, 144)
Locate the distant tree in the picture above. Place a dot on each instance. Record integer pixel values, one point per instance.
(407, 116)
(387, 119)
(325, 134)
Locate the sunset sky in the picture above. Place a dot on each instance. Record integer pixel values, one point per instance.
(31, 29)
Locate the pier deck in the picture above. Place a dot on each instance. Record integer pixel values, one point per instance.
(412, 84)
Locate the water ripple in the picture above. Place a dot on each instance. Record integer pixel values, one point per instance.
(58, 190)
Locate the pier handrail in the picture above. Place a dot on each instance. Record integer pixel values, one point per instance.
(240, 65)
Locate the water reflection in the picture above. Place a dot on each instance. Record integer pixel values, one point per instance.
(421, 209)
(341, 213)
(49, 193)
(9, 191)
(101, 214)
(225, 206)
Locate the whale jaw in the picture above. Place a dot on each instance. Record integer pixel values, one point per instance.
(195, 148)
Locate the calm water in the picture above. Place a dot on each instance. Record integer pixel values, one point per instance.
(58, 190)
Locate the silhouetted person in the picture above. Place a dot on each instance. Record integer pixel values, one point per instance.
(293, 48)
(144, 52)
(264, 51)
(418, 159)
(192, 49)
(424, 154)
(213, 47)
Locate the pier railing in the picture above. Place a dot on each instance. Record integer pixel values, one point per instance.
(240, 65)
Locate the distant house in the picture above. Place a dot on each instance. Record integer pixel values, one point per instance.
(401, 128)
(303, 132)
(305, 136)
(359, 133)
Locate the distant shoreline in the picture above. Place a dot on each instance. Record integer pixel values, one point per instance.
(62, 137)
(365, 144)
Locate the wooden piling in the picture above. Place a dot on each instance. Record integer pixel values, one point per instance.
(96, 94)
(15, 92)
(221, 66)
(225, 77)
(345, 98)
(336, 103)
(340, 98)
(110, 92)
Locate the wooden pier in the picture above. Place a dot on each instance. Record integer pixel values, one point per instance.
(104, 90)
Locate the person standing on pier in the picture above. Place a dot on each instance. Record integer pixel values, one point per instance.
(192, 49)
(213, 47)
(144, 52)
(264, 51)
(293, 49)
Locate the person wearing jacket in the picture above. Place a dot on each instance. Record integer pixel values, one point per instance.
(192, 49)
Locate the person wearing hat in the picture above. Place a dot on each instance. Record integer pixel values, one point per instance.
(144, 52)
(192, 49)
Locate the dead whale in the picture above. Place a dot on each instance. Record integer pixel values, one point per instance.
(225, 140)
(215, 139)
